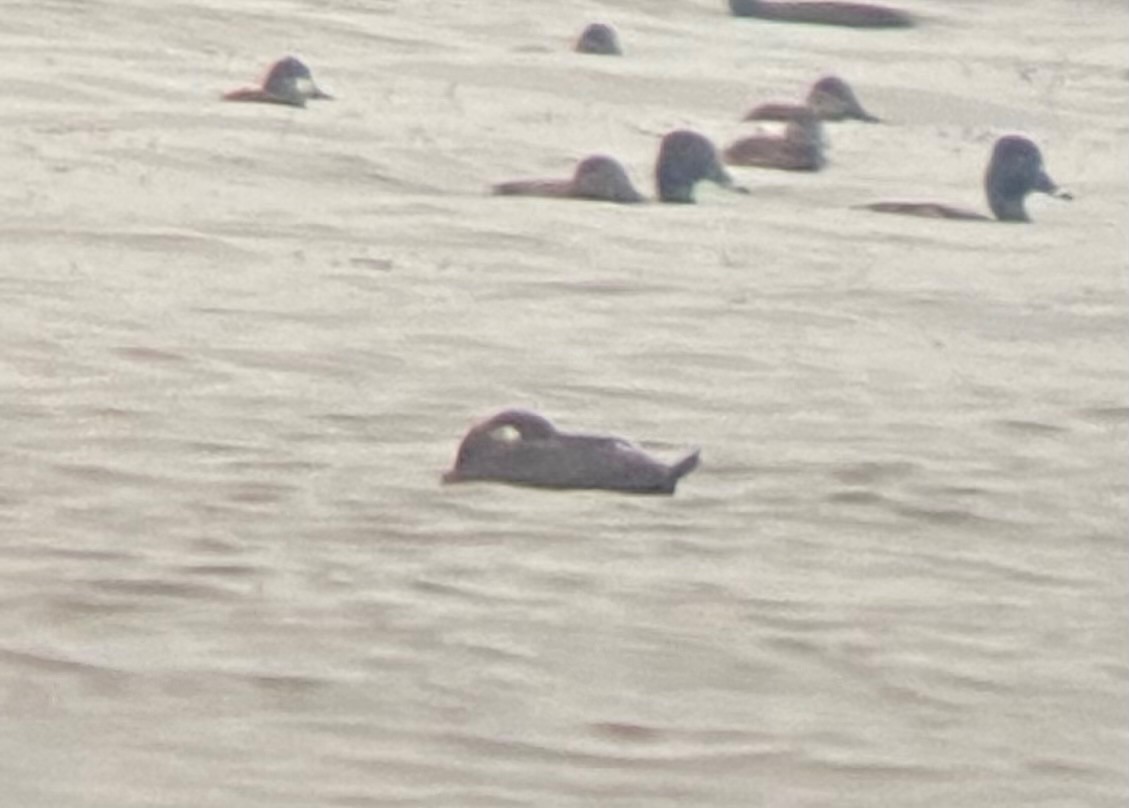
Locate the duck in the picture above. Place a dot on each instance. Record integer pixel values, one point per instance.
(800, 149)
(684, 159)
(521, 447)
(596, 177)
(830, 98)
(600, 39)
(287, 81)
(851, 15)
(1015, 169)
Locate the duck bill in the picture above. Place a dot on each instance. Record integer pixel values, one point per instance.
(725, 180)
(854, 110)
(311, 90)
(1048, 186)
(1044, 183)
(719, 175)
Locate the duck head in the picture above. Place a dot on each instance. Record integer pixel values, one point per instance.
(1015, 170)
(834, 100)
(600, 39)
(685, 158)
(287, 81)
(487, 450)
(603, 178)
(289, 78)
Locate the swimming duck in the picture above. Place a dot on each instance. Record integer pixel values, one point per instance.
(684, 158)
(800, 149)
(520, 447)
(597, 177)
(830, 98)
(287, 81)
(600, 39)
(1015, 170)
(852, 15)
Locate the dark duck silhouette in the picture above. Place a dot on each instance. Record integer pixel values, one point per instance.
(287, 81)
(800, 149)
(597, 177)
(1015, 170)
(851, 15)
(520, 447)
(830, 98)
(599, 39)
(685, 158)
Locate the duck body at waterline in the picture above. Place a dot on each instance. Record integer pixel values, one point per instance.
(1015, 170)
(288, 81)
(685, 158)
(799, 149)
(519, 447)
(830, 98)
(817, 12)
(597, 177)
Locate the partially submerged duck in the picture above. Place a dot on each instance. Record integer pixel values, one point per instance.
(287, 81)
(597, 177)
(852, 15)
(1015, 170)
(800, 148)
(600, 39)
(685, 158)
(520, 447)
(830, 98)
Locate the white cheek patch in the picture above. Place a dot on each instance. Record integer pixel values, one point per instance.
(506, 434)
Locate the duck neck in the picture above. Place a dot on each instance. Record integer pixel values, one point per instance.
(1007, 207)
(670, 192)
